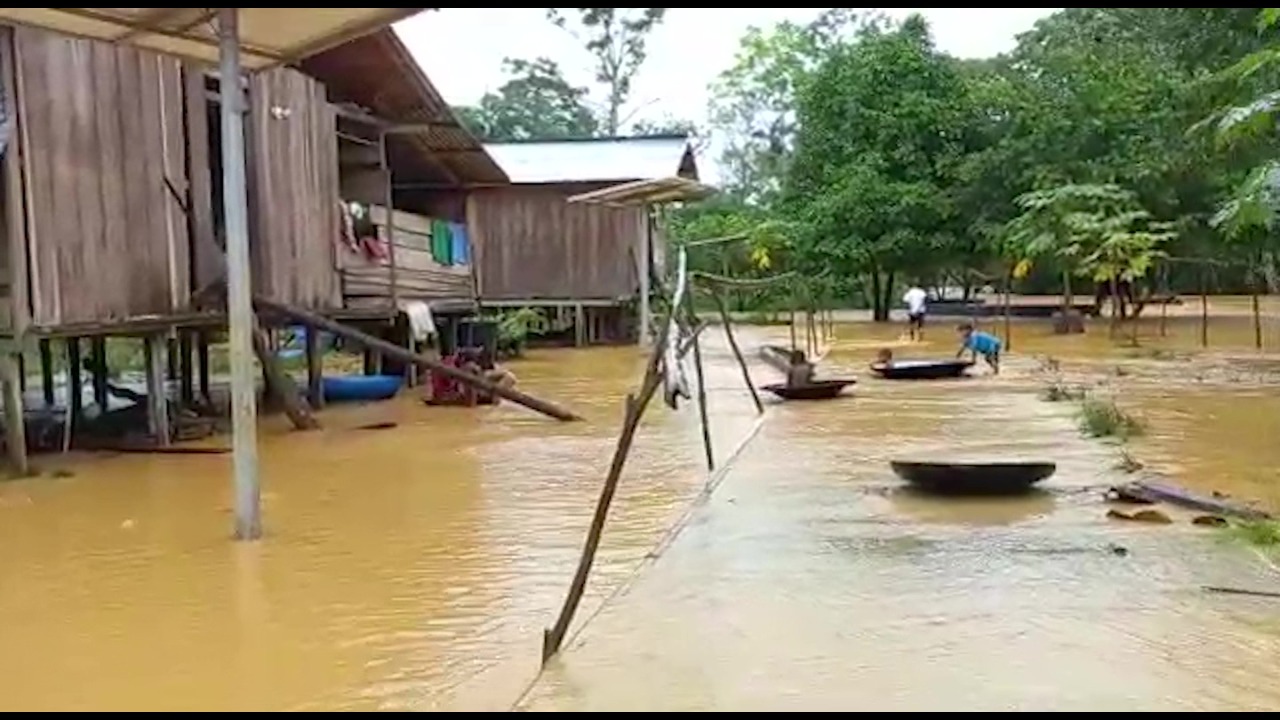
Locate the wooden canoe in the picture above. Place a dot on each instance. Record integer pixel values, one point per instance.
(816, 390)
(921, 369)
(989, 478)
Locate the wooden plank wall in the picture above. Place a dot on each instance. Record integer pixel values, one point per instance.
(101, 132)
(14, 315)
(531, 244)
(418, 275)
(294, 192)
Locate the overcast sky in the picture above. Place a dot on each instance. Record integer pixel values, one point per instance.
(461, 49)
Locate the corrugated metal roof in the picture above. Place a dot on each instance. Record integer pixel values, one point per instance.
(378, 72)
(595, 159)
(268, 36)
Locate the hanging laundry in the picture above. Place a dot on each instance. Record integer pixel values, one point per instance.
(347, 231)
(441, 242)
(461, 249)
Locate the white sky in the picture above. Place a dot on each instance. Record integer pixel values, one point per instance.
(461, 49)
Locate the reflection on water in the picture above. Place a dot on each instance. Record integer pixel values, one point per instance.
(414, 568)
(923, 508)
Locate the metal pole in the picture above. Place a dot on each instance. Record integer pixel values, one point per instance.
(235, 204)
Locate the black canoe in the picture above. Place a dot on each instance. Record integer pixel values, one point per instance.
(921, 369)
(816, 390)
(993, 478)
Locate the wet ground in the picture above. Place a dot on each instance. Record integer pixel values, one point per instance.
(414, 568)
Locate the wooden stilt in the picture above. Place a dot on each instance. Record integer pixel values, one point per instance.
(202, 358)
(186, 372)
(46, 371)
(100, 371)
(14, 418)
(315, 369)
(579, 326)
(157, 347)
(75, 382)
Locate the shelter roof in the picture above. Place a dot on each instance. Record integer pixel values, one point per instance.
(647, 192)
(378, 73)
(268, 36)
(618, 159)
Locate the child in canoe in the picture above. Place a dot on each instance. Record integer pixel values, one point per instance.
(800, 371)
(981, 344)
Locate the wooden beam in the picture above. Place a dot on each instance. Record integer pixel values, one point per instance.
(392, 350)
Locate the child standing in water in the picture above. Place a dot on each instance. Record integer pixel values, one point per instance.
(980, 344)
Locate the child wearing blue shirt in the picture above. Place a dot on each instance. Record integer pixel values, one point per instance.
(980, 343)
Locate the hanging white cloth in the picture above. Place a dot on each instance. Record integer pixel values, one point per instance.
(675, 382)
(422, 325)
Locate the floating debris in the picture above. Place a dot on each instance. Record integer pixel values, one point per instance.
(1154, 517)
(1209, 521)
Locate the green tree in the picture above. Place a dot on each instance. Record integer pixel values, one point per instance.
(753, 102)
(616, 38)
(535, 102)
(880, 132)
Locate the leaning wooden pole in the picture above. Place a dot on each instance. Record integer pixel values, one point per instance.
(703, 418)
(723, 308)
(281, 385)
(553, 637)
(392, 350)
(1204, 307)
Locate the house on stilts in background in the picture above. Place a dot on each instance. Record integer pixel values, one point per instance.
(588, 266)
(110, 207)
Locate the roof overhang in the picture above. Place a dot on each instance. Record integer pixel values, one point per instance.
(268, 36)
(647, 192)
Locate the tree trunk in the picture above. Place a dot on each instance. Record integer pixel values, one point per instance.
(879, 313)
(886, 296)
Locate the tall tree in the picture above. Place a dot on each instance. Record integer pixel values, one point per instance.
(753, 102)
(535, 102)
(880, 131)
(616, 38)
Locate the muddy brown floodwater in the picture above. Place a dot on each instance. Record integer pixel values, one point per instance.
(414, 568)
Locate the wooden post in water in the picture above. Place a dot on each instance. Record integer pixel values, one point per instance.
(75, 398)
(156, 348)
(1204, 308)
(315, 369)
(186, 373)
(737, 352)
(553, 637)
(1008, 324)
(1257, 317)
(46, 371)
(98, 350)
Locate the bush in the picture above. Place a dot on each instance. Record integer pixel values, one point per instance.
(1103, 418)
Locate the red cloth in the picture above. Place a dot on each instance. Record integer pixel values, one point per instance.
(445, 389)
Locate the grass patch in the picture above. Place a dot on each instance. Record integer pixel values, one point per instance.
(1100, 418)
(1257, 533)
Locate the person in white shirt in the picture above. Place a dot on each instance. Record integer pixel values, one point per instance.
(916, 300)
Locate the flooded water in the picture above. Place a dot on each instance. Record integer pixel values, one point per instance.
(414, 568)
